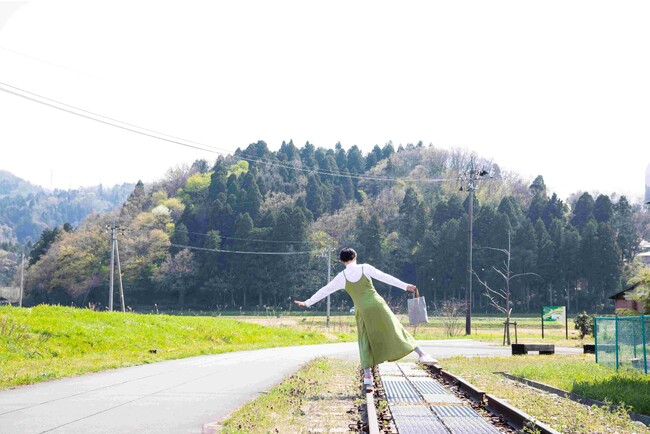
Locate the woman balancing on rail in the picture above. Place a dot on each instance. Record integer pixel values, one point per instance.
(381, 336)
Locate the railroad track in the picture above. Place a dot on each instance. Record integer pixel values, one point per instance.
(432, 400)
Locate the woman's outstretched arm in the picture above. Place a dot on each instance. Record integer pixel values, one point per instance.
(337, 283)
(387, 278)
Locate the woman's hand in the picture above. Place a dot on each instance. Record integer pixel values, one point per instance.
(300, 303)
(411, 288)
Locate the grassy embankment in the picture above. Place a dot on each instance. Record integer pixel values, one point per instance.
(317, 398)
(48, 342)
(574, 373)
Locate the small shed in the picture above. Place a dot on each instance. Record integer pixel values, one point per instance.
(622, 299)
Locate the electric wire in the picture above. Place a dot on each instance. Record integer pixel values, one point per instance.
(188, 143)
(249, 239)
(240, 252)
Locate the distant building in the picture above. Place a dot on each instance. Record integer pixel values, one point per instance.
(623, 299)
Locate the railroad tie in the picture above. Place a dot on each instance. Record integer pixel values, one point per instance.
(420, 404)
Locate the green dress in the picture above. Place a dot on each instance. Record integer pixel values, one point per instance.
(381, 336)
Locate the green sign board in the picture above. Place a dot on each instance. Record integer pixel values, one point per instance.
(554, 314)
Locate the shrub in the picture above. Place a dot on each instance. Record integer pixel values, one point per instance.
(584, 323)
(623, 311)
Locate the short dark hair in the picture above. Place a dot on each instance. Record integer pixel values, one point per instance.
(347, 254)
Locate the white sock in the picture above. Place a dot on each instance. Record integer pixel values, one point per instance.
(419, 351)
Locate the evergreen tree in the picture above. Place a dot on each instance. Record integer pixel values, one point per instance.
(308, 155)
(252, 198)
(341, 158)
(338, 198)
(218, 180)
(627, 238)
(408, 218)
(603, 209)
(379, 155)
(387, 150)
(314, 199)
(355, 163)
(554, 209)
(582, 211)
(511, 207)
(43, 244)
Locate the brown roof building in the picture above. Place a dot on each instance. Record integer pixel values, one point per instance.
(623, 299)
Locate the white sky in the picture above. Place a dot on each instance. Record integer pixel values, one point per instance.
(558, 88)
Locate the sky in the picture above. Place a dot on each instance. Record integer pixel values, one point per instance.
(554, 88)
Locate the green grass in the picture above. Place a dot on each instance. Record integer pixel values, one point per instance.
(48, 342)
(318, 396)
(561, 413)
(585, 378)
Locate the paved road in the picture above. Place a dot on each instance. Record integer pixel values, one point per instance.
(175, 396)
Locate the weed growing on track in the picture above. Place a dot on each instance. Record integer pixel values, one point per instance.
(317, 398)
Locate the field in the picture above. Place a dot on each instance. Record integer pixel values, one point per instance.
(485, 328)
(48, 342)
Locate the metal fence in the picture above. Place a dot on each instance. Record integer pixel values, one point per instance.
(622, 342)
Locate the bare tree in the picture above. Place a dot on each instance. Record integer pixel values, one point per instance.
(452, 312)
(500, 297)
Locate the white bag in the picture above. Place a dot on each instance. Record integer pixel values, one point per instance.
(417, 309)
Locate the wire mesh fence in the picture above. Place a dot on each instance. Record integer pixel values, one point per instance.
(622, 342)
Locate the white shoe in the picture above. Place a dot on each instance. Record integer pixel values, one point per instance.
(428, 360)
(367, 383)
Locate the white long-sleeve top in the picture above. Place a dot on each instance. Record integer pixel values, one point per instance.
(353, 274)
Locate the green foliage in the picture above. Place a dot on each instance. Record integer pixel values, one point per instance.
(623, 311)
(584, 323)
(642, 292)
(238, 168)
(417, 232)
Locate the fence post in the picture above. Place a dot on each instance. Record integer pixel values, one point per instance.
(645, 345)
(634, 339)
(596, 338)
(616, 332)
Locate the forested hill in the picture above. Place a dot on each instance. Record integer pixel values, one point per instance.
(27, 210)
(187, 239)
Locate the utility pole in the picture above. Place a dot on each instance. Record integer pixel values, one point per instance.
(22, 280)
(110, 279)
(470, 178)
(119, 276)
(329, 277)
(328, 256)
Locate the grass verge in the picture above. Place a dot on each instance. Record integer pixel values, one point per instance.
(586, 378)
(561, 413)
(48, 342)
(317, 398)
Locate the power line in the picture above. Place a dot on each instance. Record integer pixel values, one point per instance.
(184, 142)
(239, 251)
(248, 239)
